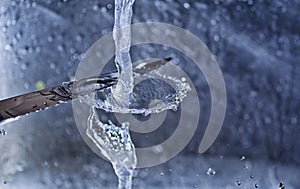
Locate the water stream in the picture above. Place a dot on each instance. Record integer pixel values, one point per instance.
(133, 93)
(114, 141)
(122, 38)
(115, 144)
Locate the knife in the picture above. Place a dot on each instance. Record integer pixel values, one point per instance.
(53, 96)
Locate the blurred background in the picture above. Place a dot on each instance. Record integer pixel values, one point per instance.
(257, 46)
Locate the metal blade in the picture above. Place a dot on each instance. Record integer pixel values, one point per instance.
(39, 100)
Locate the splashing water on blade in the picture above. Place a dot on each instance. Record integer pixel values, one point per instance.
(132, 94)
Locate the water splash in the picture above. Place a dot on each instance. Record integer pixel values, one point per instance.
(132, 94)
(115, 144)
(164, 92)
(210, 171)
(2, 132)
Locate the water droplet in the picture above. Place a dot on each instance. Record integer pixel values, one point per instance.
(174, 108)
(186, 5)
(216, 38)
(256, 185)
(4, 182)
(109, 6)
(55, 163)
(238, 183)
(19, 35)
(50, 38)
(213, 22)
(20, 166)
(294, 120)
(38, 49)
(95, 7)
(195, 186)
(23, 51)
(210, 171)
(251, 176)
(13, 22)
(145, 113)
(84, 10)
(162, 174)
(243, 158)
(105, 31)
(2, 10)
(103, 9)
(33, 4)
(24, 66)
(158, 149)
(2, 132)
(238, 8)
(52, 66)
(4, 29)
(60, 48)
(79, 37)
(8, 47)
(267, 120)
(13, 3)
(281, 185)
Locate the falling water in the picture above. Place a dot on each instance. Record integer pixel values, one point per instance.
(114, 141)
(128, 96)
(122, 38)
(115, 144)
